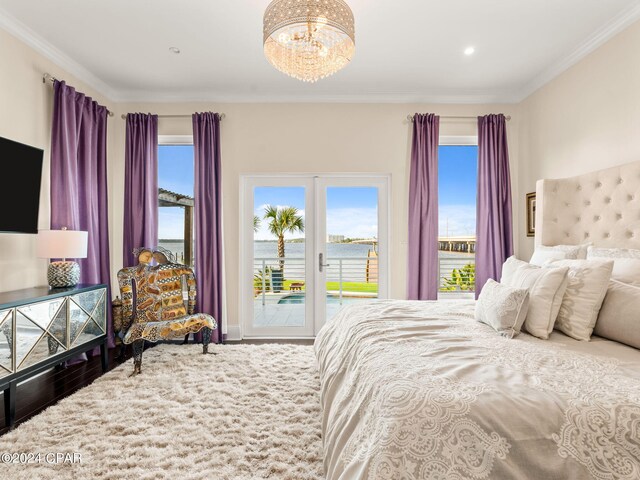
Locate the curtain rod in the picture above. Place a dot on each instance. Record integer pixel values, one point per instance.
(124, 116)
(50, 78)
(457, 117)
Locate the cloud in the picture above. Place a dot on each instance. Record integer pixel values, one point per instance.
(170, 223)
(353, 222)
(350, 222)
(457, 220)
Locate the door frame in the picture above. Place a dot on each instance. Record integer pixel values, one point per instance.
(314, 321)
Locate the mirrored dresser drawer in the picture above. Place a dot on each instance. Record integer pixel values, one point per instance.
(42, 327)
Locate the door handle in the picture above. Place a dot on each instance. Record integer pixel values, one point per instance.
(321, 265)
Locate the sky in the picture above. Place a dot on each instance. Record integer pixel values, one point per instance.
(351, 211)
(457, 187)
(175, 173)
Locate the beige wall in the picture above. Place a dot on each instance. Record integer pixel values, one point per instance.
(314, 138)
(586, 119)
(25, 116)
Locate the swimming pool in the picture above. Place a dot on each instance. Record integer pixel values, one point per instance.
(297, 298)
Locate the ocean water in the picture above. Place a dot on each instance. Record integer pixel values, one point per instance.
(353, 265)
(297, 250)
(174, 246)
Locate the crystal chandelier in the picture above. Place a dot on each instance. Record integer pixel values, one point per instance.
(309, 39)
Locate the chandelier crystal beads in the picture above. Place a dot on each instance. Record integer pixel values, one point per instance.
(309, 39)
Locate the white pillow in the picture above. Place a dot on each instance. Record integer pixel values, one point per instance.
(546, 289)
(503, 308)
(626, 263)
(544, 254)
(619, 317)
(587, 286)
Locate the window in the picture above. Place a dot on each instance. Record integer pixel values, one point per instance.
(457, 188)
(175, 200)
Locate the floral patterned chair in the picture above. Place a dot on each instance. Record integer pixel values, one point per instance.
(160, 312)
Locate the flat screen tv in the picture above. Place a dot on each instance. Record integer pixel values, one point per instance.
(21, 174)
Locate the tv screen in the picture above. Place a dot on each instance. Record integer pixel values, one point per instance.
(21, 172)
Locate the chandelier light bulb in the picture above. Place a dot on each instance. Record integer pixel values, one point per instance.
(284, 38)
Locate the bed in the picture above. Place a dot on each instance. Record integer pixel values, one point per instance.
(420, 390)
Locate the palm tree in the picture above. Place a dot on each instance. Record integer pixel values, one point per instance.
(283, 220)
(256, 223)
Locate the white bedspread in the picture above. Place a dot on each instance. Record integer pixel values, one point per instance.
(419, 390)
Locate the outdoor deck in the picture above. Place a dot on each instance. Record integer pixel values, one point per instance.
(349, 280)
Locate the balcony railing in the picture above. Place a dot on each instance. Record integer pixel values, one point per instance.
(352, 276)
(465, 285)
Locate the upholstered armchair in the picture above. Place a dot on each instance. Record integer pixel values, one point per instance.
(159, 312)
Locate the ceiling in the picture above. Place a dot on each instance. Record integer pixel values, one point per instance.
(406, 50)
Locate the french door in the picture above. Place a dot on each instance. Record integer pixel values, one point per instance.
(310, 245)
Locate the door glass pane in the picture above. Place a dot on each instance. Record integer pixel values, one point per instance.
(457, 188)
(352, 246)
(279, 248)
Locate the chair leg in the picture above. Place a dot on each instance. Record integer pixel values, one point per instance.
(186, 339)
(138, 347)
(206, 338)
(123, 352)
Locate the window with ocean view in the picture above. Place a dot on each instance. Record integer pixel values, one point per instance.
(457, 188)
(175, 212)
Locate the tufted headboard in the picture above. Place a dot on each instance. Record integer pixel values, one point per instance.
(602, 207)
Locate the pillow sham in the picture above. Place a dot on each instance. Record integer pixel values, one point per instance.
(619, 318)
(546, 289)
(586, 288)
(626, 263)
(503, 308)
(544, 254)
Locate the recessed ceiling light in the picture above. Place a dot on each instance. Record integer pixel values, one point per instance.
(469, 51)
(175, 50)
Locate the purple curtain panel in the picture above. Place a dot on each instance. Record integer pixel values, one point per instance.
(422, 282)
(140, 185)
(494, 236)
(208, 217)
(79, 180)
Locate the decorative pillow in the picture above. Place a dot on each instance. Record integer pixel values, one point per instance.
(619, 317)
(546, 289)
(626, 263)
(502, 307)
(587, 286)
(543, 254)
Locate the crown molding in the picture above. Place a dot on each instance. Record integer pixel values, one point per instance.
(619, 23)
(19, 30)
(375, 97)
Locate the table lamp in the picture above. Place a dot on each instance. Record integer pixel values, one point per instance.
(62, 244)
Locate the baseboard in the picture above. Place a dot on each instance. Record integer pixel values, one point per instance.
(234, 332)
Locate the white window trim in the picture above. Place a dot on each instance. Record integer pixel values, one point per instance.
(459, 140)
(175, 139)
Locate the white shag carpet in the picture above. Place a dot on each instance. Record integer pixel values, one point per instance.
(250, 412)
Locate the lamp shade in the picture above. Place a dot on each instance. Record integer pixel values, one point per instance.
(62, 244)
